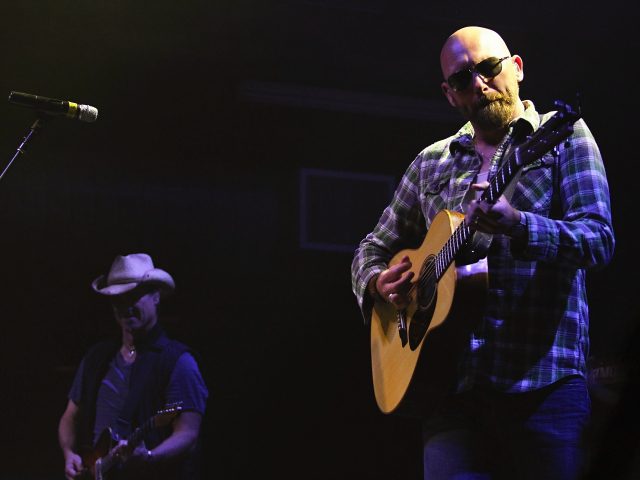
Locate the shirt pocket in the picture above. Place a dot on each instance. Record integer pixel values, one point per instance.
(534, 191)
(433, 192)
(434, 185)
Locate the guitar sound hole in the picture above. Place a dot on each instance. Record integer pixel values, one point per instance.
(426, 296)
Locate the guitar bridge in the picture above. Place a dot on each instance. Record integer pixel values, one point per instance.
(402, 326)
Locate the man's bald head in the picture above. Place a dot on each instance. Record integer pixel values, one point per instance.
(466, 42)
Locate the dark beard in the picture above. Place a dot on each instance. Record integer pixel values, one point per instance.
(493, 111)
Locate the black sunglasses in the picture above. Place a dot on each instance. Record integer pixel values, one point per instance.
(488, 68)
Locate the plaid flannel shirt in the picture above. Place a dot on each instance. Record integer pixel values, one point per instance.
(534, 330)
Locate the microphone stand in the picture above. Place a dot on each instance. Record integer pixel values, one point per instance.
(36, 125)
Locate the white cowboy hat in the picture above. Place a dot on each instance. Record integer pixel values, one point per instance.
(129, 271)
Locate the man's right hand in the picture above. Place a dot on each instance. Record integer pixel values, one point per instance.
(394, 283)
(72, 465)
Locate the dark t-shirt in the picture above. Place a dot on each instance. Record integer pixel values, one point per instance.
(186, 387)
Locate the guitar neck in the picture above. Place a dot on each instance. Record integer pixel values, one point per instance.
(544, 139)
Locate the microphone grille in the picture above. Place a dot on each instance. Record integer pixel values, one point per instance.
(87, 113)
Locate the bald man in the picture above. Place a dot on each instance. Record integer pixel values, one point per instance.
(516, 403)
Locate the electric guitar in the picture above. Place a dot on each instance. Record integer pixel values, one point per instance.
(415, 351)
(103, 456)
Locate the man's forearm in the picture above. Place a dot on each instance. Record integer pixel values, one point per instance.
(183, 438)
(66, 436)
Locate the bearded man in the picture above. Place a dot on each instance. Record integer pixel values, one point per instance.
(514, 401)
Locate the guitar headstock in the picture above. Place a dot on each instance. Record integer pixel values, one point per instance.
(165, 416)
(550, 134)
(569, 110)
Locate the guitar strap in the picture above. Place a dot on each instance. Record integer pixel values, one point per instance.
(556, 211)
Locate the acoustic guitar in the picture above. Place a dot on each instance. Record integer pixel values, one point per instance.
(415, 351)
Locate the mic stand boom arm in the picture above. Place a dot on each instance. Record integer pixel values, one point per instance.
(36, 125)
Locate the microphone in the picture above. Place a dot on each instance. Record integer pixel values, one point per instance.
(51, 106)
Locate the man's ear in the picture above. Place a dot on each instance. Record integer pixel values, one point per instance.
(519, 66)
(448, 92)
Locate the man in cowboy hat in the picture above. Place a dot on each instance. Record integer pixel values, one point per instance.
(138, 400)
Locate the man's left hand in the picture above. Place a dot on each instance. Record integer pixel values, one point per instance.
(485, 217)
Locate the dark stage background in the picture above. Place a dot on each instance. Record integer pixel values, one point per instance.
(239, 143)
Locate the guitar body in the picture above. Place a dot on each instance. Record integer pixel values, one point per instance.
(412, 378)
(106, 454)
(92, 457)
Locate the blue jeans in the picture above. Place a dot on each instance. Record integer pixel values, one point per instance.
(484, 434)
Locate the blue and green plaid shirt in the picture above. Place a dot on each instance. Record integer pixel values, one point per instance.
(534, 330)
